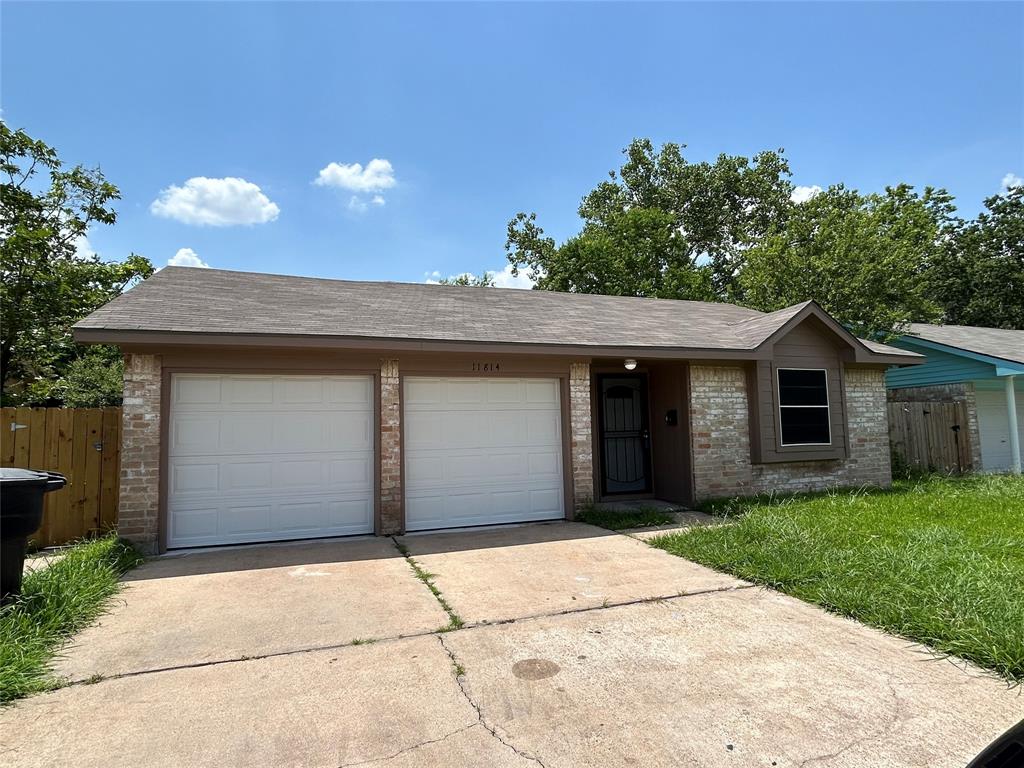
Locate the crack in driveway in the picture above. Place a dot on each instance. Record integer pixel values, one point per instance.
(491, 729)
(416, 746)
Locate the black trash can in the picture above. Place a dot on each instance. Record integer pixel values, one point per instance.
(21, 514)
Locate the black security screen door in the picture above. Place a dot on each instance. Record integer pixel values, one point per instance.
(624, 435)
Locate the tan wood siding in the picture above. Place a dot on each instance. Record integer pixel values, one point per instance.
(808, 345)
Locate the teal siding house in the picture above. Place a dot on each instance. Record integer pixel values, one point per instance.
(984, 368)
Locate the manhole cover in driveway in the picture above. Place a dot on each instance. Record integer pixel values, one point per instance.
(535, 669)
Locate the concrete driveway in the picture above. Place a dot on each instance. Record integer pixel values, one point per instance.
(580, 647)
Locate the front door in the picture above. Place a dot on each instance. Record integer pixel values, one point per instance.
(625, 437)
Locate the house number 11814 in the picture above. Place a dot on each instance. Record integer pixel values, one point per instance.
(485, 367)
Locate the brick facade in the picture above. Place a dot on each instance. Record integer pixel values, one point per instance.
(719, 422)
(139, 503)
(960, 392)
(582, 448)
(390, 449)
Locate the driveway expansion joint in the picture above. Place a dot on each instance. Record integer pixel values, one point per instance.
(454, 620)
(101, 678)
(491, 729)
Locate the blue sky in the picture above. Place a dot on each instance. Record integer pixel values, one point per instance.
(482, 110)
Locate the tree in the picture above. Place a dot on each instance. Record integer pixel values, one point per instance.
(862, 257)
(47, 284)
(660, 226)
(978, 278)
(484, 279)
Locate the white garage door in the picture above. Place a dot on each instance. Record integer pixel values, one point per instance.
(265, 458)
(481, 451)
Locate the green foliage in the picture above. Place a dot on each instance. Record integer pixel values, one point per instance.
(661, 226)
(939, 561)
(93, 380)
(978, 278)
(620, 520)
(862, 257)
(47, 285)
(56, 602)
(483, 280)
(664, 227)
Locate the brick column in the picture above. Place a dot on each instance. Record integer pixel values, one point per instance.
(582, 450)
(138, 518)
(391, 518)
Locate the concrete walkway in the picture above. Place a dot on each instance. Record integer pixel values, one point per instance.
(581, 647)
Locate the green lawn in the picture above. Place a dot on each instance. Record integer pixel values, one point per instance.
(939, 561)
(56, 602)
(620, 520)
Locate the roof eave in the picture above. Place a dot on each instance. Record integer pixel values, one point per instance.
(139, 339)
(1008, 367)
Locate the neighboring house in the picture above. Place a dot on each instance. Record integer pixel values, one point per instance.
(262, 407)
(982, 367)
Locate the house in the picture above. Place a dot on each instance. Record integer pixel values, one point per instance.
(263, 407)
(981, 367)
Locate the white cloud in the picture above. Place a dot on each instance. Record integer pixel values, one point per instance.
(83, 248)
(186, 257)
(502, 279)
(377, 176)
(1012, 180)
(215, 202)
(803, 194)
(505, 279)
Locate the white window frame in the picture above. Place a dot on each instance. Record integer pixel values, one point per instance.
(827, 406)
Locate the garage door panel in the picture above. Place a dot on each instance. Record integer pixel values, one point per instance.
(501, 391)
(354, 473)
(542, 392)
(195, 478)
(194, 434)
(196, 390)
(424, 511)
(541, 428)
(248, 475)
(504, 428)
(481, 451)
(249, 390)
(545, 465)
(422, 392)
(424, 471)
(244, 469)
(463, 392)
(301, 390)
(353, 392)
(250, 520)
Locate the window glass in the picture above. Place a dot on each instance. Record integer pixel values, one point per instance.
(803, 407)
(798, 387)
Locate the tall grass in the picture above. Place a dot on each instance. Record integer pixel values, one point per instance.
(939, 561)
(56, 602)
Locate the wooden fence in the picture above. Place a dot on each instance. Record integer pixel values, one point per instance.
(84, 445)
(923, 435)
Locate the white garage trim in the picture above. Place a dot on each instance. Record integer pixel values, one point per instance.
(481, 451)
(268, 457)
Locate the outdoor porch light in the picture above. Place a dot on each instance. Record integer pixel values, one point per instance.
(630, 363)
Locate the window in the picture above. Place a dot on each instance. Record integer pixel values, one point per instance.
(803, 406)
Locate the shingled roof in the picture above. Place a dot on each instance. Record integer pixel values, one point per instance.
(995, 342)
(198, 303)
